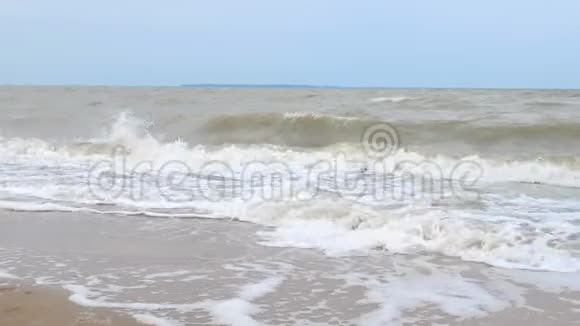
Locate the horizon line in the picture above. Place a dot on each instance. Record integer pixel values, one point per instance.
(285, 86)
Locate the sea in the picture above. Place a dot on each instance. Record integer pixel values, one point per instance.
(296, 206)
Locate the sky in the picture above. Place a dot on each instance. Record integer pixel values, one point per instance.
(358, 43)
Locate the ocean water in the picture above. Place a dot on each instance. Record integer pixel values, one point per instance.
(446, 205)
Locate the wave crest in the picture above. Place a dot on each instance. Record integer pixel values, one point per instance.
(303, 129)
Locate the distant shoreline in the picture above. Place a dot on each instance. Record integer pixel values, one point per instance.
(266, 86)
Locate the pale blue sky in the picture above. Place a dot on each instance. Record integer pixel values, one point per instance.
(405, 43)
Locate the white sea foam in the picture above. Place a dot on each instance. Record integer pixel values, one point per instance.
(392, 99)
(235, 311)
(238, 311)
(83, 296)
(297, 115)
(148, 319)
(344, 228)
(167, 274)
(6, 275)
(453, 295)
(502, 240)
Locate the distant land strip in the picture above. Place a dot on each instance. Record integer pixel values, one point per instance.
(262, 86)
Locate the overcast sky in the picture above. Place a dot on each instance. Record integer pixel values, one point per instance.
(404, 43)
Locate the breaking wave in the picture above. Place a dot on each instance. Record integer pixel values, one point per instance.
(42, 175)
(130, 136)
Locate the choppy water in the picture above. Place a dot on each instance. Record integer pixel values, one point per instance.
(484, 176)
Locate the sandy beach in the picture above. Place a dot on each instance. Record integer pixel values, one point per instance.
(22, 305)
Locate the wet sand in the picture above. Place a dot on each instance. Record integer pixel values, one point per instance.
(207, 272)
(22, 305)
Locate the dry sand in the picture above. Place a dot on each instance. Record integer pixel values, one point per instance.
(36, 306)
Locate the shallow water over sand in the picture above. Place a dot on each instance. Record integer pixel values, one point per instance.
(197, 272)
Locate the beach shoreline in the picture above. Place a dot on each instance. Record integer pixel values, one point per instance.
(154, 269)
(23, 304)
